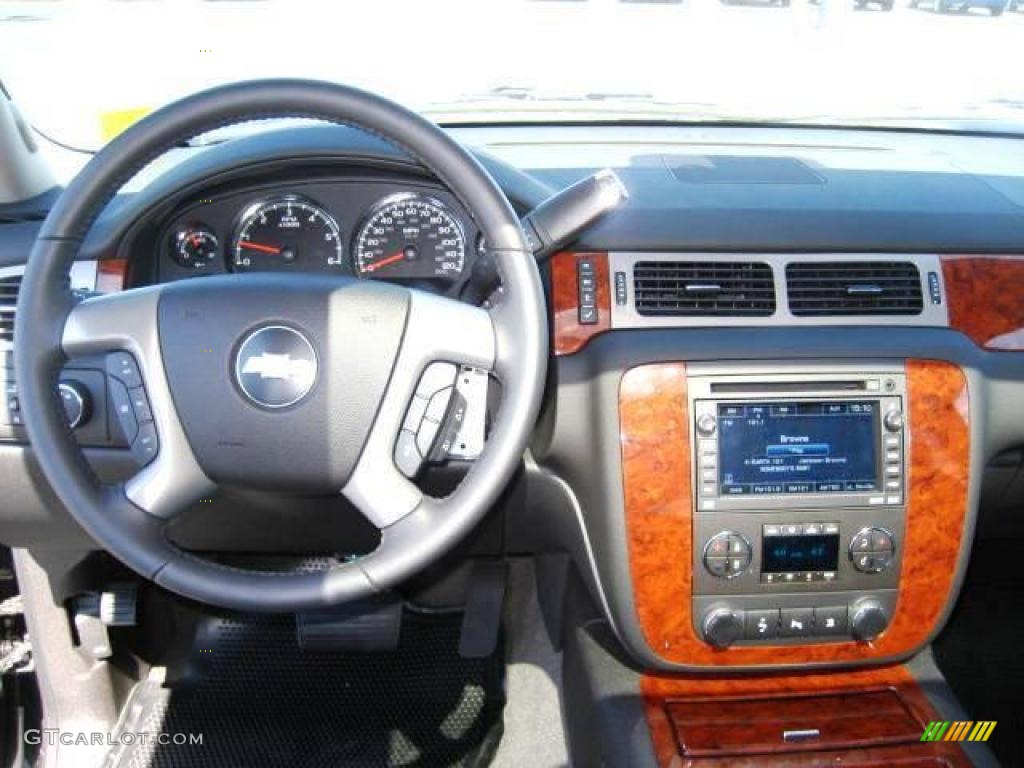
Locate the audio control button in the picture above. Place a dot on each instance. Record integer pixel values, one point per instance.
(706, 425)
(797, 622)
(761, 625)
(893, 420)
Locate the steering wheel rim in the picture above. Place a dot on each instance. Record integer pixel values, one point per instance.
(129, 519)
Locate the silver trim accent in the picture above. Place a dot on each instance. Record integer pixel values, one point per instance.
(801, 734)
(64, 387)
(437, 330)
(128, 321)
(626, 316)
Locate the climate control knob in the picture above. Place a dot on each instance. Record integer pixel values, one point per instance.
(723, 627)
(706, 425)
(868, 620)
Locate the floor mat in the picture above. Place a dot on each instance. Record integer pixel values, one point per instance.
(979, 651)
(260, 700)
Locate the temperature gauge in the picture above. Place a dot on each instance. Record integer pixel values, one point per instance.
(194, 246)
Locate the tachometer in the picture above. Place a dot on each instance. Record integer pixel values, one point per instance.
(286, 232)
(410, 236)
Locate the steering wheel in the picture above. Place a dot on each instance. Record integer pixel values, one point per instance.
(296, 383)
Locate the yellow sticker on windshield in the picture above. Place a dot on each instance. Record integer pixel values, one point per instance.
(113, 123)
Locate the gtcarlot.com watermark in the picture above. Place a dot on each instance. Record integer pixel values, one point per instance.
(52, 737)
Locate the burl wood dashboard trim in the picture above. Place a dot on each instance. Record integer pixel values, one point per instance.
(569, 334)
(764, 694)
(986, 299)
(656, 476)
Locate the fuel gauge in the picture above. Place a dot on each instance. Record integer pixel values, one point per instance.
(194, 246)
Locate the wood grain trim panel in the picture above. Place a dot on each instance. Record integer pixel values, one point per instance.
(659, 692)
(656, 475)
(986, 299)
(569, 335)
(111, 275)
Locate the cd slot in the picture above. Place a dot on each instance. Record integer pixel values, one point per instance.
(742, 387)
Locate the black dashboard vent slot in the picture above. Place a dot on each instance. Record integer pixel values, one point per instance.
(854, 288)
(694, 288)
(8, 300)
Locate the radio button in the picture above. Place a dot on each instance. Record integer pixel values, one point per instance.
(709, 490)
(706, 425)
(830, 528)
(761, 625)
(707, 476)
(708, 462)
(812, 529)
(796, 622)
(830, 620)
(893, 421)
(792, 530)
(772, 530)
(892, 441)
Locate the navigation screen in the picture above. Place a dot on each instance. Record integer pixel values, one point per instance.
(818, 447)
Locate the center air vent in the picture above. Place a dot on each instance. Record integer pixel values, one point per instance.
(692, 288)
(8, 300)
(854, 288)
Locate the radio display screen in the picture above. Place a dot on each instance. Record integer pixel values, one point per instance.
(798, 447)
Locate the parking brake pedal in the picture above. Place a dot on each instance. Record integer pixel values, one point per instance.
(363, 626)
(481, 621)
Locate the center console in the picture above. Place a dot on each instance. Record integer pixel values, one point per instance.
(799, 485)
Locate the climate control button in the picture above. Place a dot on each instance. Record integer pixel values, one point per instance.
(872, 550)
(727, 554)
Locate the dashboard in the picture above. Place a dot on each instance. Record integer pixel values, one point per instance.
(686, 303)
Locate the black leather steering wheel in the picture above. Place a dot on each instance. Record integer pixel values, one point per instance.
(370, 343)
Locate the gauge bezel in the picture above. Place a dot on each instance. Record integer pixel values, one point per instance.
(399, 197)
(248, 212)
(177, 236)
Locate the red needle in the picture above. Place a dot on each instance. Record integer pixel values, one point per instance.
(384, 262)
(257, 247)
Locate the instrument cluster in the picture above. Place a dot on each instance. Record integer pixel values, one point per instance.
(381, 230)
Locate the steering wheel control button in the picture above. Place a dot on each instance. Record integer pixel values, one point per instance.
(438, 406)
(762, 624)
(426, 435)
(140, 405)
(145, 447)
(123, 410)
(77, 403)
(796, 622)
(407, 456)
(276, 366)
(436, 377)
(723, 627)
(413, 416)
(122, 366)
(872, 550)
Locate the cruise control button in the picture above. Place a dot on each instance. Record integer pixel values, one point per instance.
(414, 415)
(830, 620)
(438, 405)
(761, 624)
(145, 447)
(436, 377)
(425, 436)
(796, 622)
(122, 366)
(407, 456)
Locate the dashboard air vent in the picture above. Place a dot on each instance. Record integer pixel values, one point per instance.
(8, 299)
(693, 288)
(854, 288)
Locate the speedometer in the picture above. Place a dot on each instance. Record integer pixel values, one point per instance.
(410, 236)
(284, 233)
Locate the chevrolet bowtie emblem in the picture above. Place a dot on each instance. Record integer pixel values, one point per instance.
(276, 366)
(271, 366)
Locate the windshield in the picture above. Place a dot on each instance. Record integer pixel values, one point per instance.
(81, 71)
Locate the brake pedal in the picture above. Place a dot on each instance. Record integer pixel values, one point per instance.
(481, 622)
